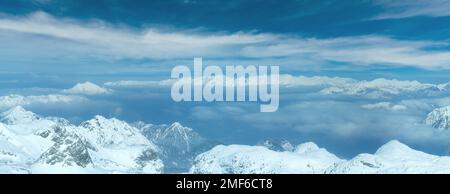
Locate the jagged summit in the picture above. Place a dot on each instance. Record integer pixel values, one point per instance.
(179, 144)
(237, 159)
(111, 131)
(176, 129)
(392, 157)
(439, 118)
(17, 115)
(30, 143)
(176, 126)
(306, 147)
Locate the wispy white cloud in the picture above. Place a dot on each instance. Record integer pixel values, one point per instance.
(395, 9)
(293, 81)
(125, 42)
(107, 42)
(376, 88)
(385, 88)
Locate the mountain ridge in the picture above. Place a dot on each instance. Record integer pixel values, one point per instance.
(98, 145)
(392, 157)
(439, 118)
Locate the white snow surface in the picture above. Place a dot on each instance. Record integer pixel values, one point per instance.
(242, 159)
(87, 88)
(393, 157)
(30, 143)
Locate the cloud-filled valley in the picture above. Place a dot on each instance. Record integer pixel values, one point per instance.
(363, 110)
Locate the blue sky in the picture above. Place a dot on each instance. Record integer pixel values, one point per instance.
(305, 17)
(51, 45)
(325, 25)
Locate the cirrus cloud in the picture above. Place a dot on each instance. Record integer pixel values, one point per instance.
(395, 9)
(100, 41)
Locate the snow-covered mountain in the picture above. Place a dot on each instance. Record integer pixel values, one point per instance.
(393, 157)
(30, 143)
(179, 145)
(242, 159)
(385, 88)
(439, 118)
(17, 115)
(87, 88)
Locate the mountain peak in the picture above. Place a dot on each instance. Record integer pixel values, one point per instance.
(445, 109)
(277, 145)
(176, 126)
(393, 147)
(87, 88)
(306, 147)
(112, 131)
(17, 115)
(100, 118)
(103, 123)
(178, 144)
(439, 118)
(18, 109)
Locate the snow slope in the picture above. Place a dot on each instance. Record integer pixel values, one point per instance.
(393, 157)
(30, 143)
(241, 159)
(439, 118)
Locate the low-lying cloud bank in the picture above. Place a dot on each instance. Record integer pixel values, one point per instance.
(377, 88)
(392, 157)
(374, 110)
(44, 100)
